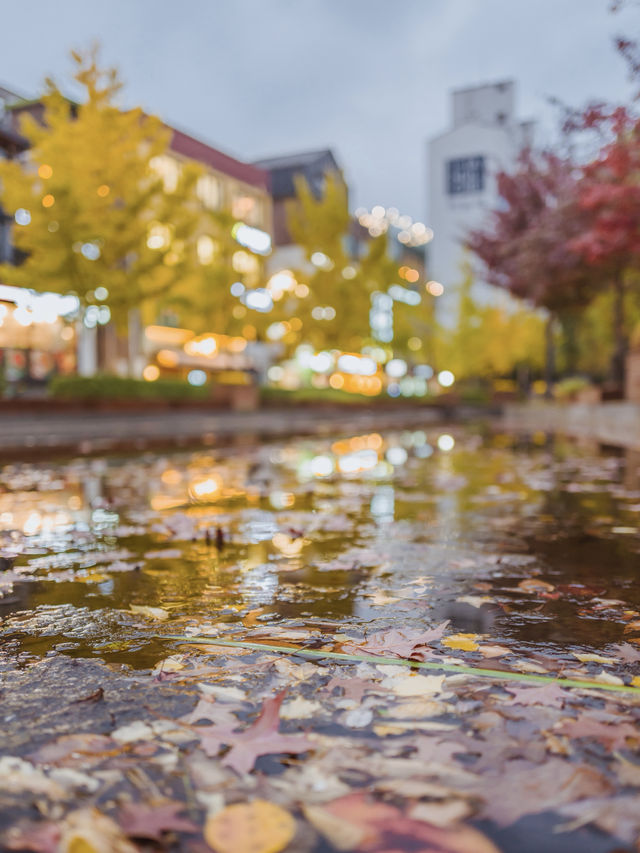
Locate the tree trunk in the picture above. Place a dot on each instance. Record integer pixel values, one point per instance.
(621, 343)
(550, 355)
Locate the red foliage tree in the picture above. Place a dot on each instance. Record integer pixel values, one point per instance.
(526, 247)
(609, 198)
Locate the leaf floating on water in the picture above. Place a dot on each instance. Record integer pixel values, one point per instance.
(151, 612)
(586, 658)
(534, 585)
(463, 642)
(255, 827)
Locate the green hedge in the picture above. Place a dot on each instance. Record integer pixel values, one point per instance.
(107, 387)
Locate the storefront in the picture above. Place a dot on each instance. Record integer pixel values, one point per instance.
(37, 338)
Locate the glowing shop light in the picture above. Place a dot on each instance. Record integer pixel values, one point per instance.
(151, 373)
(403, 294)
(320, 363)
(396, 368)
(396, 455)
(321, 466)
(252, 238)
(446, 378)
(446, 442)
(434, 288)
(322, 261)
(361, 366)
(197, 377)
(259, 300)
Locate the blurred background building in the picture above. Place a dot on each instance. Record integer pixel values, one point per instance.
(485, 138)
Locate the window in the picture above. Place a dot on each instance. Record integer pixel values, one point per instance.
(465, 175)
(208, 191)
(168, 169)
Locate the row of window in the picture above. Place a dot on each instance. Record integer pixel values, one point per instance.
(210, 190)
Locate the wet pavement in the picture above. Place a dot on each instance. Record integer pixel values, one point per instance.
(525, 551)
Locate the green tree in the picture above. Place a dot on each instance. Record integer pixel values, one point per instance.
(94, 212)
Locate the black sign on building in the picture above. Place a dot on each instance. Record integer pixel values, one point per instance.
(465, 175)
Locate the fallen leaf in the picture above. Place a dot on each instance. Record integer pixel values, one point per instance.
(255, 827)
(585, 658)
(152, 612)
(89, 831)
(521, 788)
(627, 653)
(549, 694)
(388, 829)
(415, 685)
(535, 585)
(260, 738)
(612, 736)
(149, 821)
(340, 833)
(444, 813)
(43, 837)
(464, 642)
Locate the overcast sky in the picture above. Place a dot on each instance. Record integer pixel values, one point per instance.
(369, 78)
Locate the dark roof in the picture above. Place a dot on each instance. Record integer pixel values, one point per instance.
(312, 165)
(193, 148)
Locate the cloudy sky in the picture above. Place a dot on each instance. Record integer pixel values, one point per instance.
(369, 78)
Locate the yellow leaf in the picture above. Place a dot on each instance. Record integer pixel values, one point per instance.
(255, 827)
(596, 658)
(151, 612)
(465, 642)
(635, 681)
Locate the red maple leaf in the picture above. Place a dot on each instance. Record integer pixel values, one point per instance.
(145, 821)
(260, 738)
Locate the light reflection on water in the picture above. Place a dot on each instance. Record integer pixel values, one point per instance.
(364, 531)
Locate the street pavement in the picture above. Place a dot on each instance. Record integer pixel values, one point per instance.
(87, 432)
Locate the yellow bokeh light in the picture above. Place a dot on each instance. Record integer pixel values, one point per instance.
(295, 323)
(48, 200)
(237, 344)
(336, 380)
(167, 358)
(103, 190)
(207, 488)
(45, 171)
(171, 477)
(434, 288)
(151, 373)
(301, 291)
(249, 332)
(414, 344)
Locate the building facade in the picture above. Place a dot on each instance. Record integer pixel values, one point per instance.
(284, 172)
(484, 139)
(239, 191)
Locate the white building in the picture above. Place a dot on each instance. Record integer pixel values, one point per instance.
(485, 138)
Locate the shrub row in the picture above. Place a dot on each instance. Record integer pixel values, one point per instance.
(108, 387)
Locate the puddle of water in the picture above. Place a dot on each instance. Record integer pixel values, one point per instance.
(363, 532)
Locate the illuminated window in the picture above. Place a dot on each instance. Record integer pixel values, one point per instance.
(243, 207)
(168, 169)
(208, 190)
(206, 248)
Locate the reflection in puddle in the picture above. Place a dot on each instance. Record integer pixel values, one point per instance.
(362, 531)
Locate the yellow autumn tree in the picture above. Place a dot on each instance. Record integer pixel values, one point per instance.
(90, 210)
